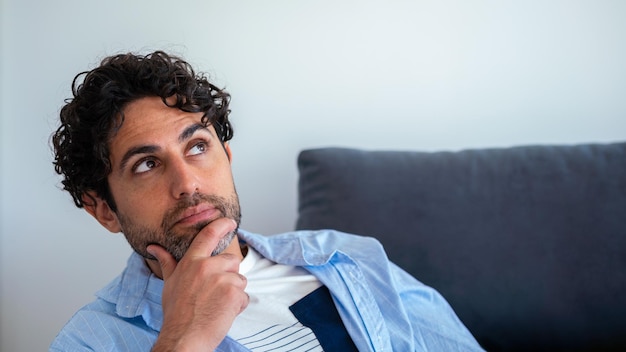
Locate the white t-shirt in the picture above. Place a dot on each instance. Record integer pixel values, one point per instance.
(267, 323)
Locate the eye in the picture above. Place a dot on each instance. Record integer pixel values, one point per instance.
(198, 148)
(145, 165)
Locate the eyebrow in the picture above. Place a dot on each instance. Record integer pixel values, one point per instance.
(189, 131)
(148, 149)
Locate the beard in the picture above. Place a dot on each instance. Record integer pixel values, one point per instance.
(176, 242)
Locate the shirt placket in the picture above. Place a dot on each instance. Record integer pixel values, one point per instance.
(356, 300)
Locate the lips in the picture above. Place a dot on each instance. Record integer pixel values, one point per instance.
(196, 214)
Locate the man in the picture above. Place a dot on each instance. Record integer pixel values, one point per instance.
(143, 147)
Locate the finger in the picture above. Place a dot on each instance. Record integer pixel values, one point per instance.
(245, 303)
(165, 260)
(242, 282)
(209, 237)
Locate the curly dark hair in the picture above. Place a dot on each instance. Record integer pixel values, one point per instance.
(96, 112)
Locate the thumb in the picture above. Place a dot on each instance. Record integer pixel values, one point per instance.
(166, 261)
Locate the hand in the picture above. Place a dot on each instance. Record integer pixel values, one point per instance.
(202, 295)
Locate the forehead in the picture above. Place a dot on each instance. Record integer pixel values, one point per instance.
(149, 121)
(146, 116)
(152, 110)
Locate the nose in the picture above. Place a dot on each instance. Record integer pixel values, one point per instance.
(184, 180)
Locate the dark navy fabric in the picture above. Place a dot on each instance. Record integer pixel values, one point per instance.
(528, 244)
(317, 312)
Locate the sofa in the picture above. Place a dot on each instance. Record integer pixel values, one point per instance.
(527, 243)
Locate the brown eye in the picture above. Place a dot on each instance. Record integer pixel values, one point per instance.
(145, 165)
(198, 148)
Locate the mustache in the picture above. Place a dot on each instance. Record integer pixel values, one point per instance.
(172, 216)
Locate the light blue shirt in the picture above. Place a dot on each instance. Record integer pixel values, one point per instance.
(382, 307)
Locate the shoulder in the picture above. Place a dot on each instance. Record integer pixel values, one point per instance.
(97, 327)
(77, 334)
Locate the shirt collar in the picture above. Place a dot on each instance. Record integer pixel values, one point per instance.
(303, 248)
(136, 292)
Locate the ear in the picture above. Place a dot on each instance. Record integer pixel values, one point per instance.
(228, 152)
(99, 209)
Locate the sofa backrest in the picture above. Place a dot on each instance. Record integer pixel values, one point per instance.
(528, 244)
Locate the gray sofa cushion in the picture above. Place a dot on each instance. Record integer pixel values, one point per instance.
(528, 244)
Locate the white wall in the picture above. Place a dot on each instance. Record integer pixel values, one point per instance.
(423, 75)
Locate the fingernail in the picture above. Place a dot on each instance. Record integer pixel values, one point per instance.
(150, 250)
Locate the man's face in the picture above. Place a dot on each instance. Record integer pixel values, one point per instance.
(170, 177)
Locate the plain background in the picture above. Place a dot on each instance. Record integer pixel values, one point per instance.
(411, 75)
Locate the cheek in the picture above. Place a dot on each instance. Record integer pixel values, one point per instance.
(141, 207)
(221, 183)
